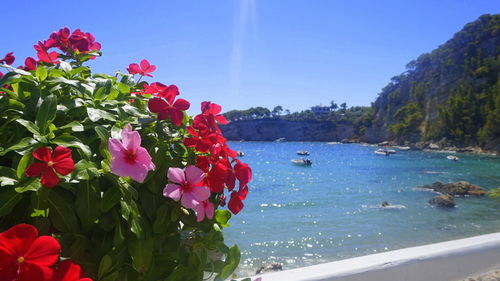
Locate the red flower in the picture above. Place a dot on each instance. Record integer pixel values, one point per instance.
(43, 53)
(60, 161)
(30, 64)
(8, 59)
(26, 257)
(142, 70)
(83, 42)
(169, 108)
(69, 271)
(235, 204)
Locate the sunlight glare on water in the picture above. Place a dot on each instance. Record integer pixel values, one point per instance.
(299, 216)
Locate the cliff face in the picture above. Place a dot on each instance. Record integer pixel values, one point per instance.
(272, 129)
(451, 94)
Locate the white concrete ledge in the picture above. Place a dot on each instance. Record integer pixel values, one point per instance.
(446, 261)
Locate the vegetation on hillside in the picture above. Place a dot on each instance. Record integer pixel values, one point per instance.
(451, 93)
(358, 116)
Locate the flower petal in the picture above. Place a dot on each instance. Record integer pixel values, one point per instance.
(60, 153)
(131, 140)
(43, 252)
(209, 210)
(176, 175)
(68, 270)
(145, 65)
(30, 272)
(64, 166)
(49, 178)
(173, 191)
(181, 104)
(157, 105)
(194, 174)
(176, 116)
(43, 154)
(143, 158)
(116, 148)
(189, 201)
(35, 169)
(122, 168)
(200, 193)
(15, 242)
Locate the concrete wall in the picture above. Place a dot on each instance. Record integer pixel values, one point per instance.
(446, 261)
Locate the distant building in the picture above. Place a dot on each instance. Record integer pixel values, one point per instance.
(319, 109)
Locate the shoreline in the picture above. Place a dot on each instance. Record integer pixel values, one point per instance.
(413, 147)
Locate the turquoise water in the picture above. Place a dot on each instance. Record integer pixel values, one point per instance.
(300, 216)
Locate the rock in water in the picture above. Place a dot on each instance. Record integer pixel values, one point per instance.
(459, 188)
(443, 201)
(269, 267)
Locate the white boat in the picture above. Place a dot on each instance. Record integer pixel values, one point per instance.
(302, 162)
(302, 152)
(391, 151)
(452, 158)
(240, 153)
(280, 140)
(382, 152)
(402, 147)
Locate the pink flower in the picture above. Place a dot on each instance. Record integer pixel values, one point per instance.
(129, 159)
(142, 70)
(186, 186)
(204, 209)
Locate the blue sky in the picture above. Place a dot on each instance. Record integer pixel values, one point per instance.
(294, 53)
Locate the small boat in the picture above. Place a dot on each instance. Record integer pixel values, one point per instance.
(302, 162)
(452, 158)
(280, 140)
(391, 151)
(240, 153)
(302, 152)
(382, 152)
(402, 147)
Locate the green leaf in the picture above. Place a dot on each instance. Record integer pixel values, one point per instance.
(62, 213)
(9, 198)
(125, 89)
(97, 114)
(9, 76)
(7, 176)
(102, 133)
(222, 217)
(71, 141)
(142, 254)
(124, 210)
(104, 266)
(232, 261)
(87, 204)
(110, 198)
(46, 113)
(33, 184)
(100, 94)
(21, 145)
(85, 170)
(41, 73)
(23, 164)
(162, 219)
(30, 126)
(73, 83)
(74, 125)
(65, 66)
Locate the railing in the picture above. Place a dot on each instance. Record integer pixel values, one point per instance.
(446, 261)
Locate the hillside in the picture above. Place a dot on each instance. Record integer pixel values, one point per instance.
(451, 95)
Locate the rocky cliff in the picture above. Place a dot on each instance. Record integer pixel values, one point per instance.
(271, 129)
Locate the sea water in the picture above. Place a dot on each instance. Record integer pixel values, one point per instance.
(304, 215)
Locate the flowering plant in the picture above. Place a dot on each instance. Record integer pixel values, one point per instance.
(118, 180)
